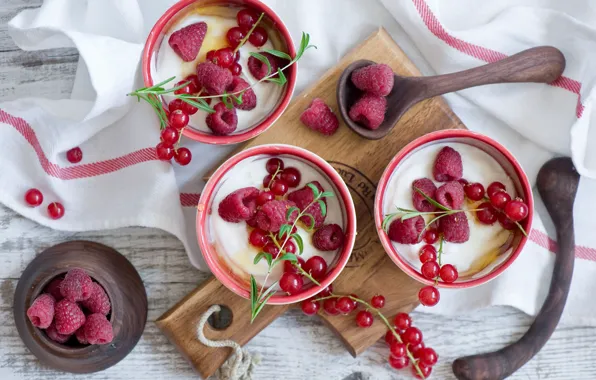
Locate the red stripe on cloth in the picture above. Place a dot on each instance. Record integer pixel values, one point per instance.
(75, 171)
(485, 54)
(189, 199)
(581, 252)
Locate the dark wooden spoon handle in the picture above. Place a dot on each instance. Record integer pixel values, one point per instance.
(542, 64)
(557, 189)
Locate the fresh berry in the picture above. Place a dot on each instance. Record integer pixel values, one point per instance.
(376, 79)
(516, 210)
(407, 231)
(429, 296)
(164, 151)
(328, 238)
(55, 210)
(448, 165)
(416, 349)
(178, 119)
(77, 285)
(68, 317)
(345, 305)
(303, 198)
(264, 197)
(279, 188)
(224, 121)
(41, 311)
(430, 270)
(428, 357)
(187, 41)
(268, 180)
(327, 291)
(236, 70)
(98, 301)
(494, 187)
(427, 253)
(290, 267)
(310, 307)
(451, 195)
(505, 222)
(427, 187)
(273, 165)
(194, 80)
(486, 213)
(430, 236)
(474, 191)
(80, 335)
(330, 306)
(378, 301)
(183, 156)
(291, 283)
(246, 18)
(259, 69)
(398, 349)
(463, 182)
(210, 56)
(271, 249)
(237, 56)
(53, 288)
(75, 155)
(426, 371)
(239, 205)
(258, 37)
(412, 335)
(53, 334)
(179, 104)
(402, 321)
(316, 266)
(499, 199)
(98, 330)
(319, 117)
(170, 135)
(189, 87)
(455, 227)
(249, 98)
(291, 176)
(448, 273)
(33, 197)
(272, 215)
(213, 78)
(364, 318)
(399, 363)
(234, 36)
(369, 111)
(390, 338)
(290, 247)
(258, 238)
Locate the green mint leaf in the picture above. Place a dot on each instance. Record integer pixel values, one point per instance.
(267, 256)
(432, 201)
(173, 88)
(315, 189)
(327, 194)
(386, 221)
(237, 99)
(323, 207)
(405, 210)
(311, 224)
(263, 301)
(284, 229)
(253, 294)
(226, 101)
(278, 53)
(160, 84)
(263, 59)
(299, 242)
(288, 257)
(290, 211)
(199, 103)
(280, 80)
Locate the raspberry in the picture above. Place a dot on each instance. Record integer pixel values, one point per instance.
(53, 288)
(187, 41)
(239, 205)
(448, 165)
(451, 195)
(272, 215)
(213, 78)
(224, 121)
(98, 302)
(303, 197)
(54, 335)
(76, 286)
(407, 231)
(259, 70)
(319, 117)
(455, 227)
(98, 330)
(427, 187)
(369, 111)
(328, 238)
(374, 79)
(68, 317)
(249, 98)
(80, 335)
(41, 311)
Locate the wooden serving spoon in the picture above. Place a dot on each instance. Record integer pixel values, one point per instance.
(557, 184)
(542, 64)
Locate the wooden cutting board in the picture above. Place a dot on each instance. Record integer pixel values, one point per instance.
(361, 163)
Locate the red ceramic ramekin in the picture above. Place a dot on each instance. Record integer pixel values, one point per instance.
(160, 29)
(496, 151)
(206, 208)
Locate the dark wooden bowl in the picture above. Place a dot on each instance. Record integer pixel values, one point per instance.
(121, 282)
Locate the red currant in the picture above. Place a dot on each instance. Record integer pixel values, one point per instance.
(329, 305)
(237, 56)
(474, 191)
(398, 349)
(33, 197)
(431, 236)
(499, 199)
(448, 273)
(258, 238)
(264, 197)
(55, 210)
(258, 37)
(170, 135)
(310, 307)
(75, 155)
(378, 301)
(494, 187)
(236, 69)
(430, 270)
(271, 249)
(178, 119)
(194, 79)
(427, 253)
(486, 214)
(426, 371)
(267, 180)
(291, 176)
(505, 222)
(179, 104)
(210, 55)
(183, 156)
(345, 305)
(224, 57)
(463, 181)
(316, 266)
(279, 187)
(429, 296)
(190, 88)
(290, 247)
(412, 336)
(398, 363)
(291, 283)
(402, 321)
(428, 357)
(165, 152)
(390, 338)
(234, 36)
(364, 318)
(290, 267)
(327, 291)
(247, 18)
(273, 165)
(416, 349)
(516, 210)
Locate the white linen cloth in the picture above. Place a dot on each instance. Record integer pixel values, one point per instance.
(120, 183)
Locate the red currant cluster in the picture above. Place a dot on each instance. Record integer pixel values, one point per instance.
(432, 269)
(497, 205)
(34, 198)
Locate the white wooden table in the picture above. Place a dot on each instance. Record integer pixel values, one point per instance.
(293, 347)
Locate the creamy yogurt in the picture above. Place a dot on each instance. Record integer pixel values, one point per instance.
(231, 239)
(481, 253)
(219, 19)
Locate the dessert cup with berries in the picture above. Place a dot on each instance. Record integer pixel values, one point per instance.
(453, 209)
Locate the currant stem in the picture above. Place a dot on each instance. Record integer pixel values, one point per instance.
(243, 41)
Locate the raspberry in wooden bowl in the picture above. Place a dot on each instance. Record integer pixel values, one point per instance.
(208, 46)
(276, 216)
(453, 209)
